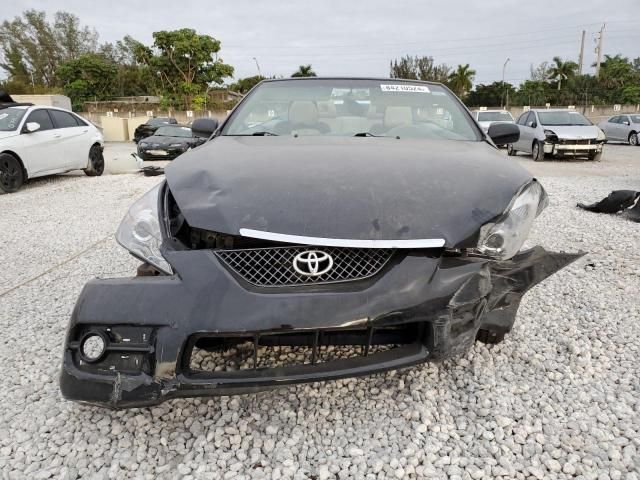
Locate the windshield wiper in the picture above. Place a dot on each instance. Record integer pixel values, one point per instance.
(367, 134)
(264, 133)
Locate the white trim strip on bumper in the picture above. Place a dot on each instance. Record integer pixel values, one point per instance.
(342, 242)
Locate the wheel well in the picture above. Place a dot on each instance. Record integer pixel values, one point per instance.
(17, 157)
(535, 140)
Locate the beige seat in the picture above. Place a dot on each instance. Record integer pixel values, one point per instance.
(304, 118)
(327, 113)
(393, 117)
(396, 116)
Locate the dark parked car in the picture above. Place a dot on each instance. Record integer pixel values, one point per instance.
(298, 246)
(149, 128)
(168, 142)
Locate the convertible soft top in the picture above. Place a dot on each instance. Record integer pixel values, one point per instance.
(6, 101)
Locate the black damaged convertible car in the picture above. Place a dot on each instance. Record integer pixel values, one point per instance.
(328, 228)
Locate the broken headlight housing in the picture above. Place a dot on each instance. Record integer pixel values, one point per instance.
(504, 238)
(140, 232)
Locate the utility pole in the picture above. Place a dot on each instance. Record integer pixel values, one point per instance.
(599, 50)
(258, 66)
(581, 61)
(504, 68)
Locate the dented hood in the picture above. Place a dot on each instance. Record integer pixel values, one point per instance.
(364, 188)
(574, 132)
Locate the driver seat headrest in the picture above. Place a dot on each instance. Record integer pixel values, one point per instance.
(303, 112)
(395, 116)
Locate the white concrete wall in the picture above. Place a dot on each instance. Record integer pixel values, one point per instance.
(60, 101)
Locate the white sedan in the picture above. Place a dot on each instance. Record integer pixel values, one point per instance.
(38, 140)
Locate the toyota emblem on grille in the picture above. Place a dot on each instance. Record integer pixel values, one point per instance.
(312, 263)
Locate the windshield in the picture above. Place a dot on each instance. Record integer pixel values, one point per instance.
(351, 107)
(635, 118)
(10, 118)
(158, 121)
(174, 132)
(562, 118)
(494, 117)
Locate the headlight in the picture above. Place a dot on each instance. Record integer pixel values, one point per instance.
(140, 231)
(551, 135)
(176, 145)
(601, 136)
(143, 144)
(503, 239)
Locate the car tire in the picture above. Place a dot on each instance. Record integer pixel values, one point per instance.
(489, 337)
(11, 173)
(633, 139)
(95, 167)
(537, 152)
(511, 151)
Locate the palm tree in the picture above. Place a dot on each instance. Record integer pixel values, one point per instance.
(561, 70)
(304, 71)
(461, 80)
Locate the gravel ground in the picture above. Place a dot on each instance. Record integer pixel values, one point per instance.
(560, 398)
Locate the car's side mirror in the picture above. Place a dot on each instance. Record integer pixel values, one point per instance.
(532, 124)
(204, 127)
(503, 133)
(31, 127)
(626, 122)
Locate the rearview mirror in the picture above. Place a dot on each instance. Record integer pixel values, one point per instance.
(204, 127)
(31, 127)
(503, 133)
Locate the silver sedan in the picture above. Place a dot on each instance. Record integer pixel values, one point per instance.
(624, 128)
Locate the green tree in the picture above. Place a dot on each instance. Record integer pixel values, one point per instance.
(533, 92)
(33, 47)
(461, 80)
(89, 77)
(562, 70)
(184, 62)
(304, 71)
(492, 95)
(418, 68)
(243, 85)
(616, 72)
(133, 78)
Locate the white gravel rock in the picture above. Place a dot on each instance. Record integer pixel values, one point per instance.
(559, 398)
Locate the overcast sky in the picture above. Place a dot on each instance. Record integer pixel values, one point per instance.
(356, 38)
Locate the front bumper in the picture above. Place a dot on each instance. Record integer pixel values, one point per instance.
(572, 148)
(153, 322)
(152, 153)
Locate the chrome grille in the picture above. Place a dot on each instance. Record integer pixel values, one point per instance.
(273, 267)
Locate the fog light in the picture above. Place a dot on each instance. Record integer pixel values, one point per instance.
(92, 346)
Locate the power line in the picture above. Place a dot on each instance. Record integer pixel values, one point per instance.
(423, 42)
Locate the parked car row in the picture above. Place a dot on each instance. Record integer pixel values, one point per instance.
(37, 141)
(560, 133)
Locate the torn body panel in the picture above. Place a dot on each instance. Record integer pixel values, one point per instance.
(420, 307)
(617, 201)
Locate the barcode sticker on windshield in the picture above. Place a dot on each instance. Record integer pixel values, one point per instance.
(405, 88)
